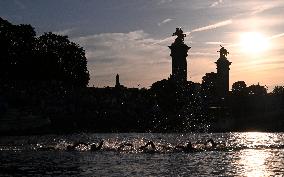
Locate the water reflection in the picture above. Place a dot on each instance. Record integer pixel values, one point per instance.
(254, 162)
(254, 139)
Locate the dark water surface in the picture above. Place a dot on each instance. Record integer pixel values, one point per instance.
(239, 154)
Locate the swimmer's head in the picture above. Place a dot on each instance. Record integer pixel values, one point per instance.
(189, 145)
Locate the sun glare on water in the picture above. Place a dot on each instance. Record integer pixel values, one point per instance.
(253, 42)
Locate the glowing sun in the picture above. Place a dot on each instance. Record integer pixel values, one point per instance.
(253, 42)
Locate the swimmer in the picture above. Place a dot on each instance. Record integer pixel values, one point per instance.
(93, 146)
(49, 148)
(187, 148)
(125, 144)
(73, 147)
(216, 146)
(213, 144)
(96, 148)
(149, 150)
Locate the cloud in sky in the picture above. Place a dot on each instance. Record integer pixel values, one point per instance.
(138, 58)
(64, 32)
(165, 21)
(216, 3)
(129, 54)
(276, 36)
(164, 1)
(213, 26)
(217, 43)
(208, 27)
(135, 58)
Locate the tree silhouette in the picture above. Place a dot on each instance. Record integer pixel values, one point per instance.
(278, 90)
(209, 90)
(165, 92)
(48, 57)
(257, 90)
(16, 44)
(62, 60)
(239, 88)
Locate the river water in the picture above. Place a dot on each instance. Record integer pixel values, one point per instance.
(237, 154)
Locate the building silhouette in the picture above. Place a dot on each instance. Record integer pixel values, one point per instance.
(222, 77)
(179, 53)
(216, 85)
(117, 83)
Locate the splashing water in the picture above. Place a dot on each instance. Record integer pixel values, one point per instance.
(236, 154)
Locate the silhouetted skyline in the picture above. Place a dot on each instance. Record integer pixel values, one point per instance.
(42, 73)
(144, 28)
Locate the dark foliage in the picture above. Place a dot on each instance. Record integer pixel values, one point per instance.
(50, 57)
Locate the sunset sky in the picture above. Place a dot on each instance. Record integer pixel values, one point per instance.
(130, 37)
